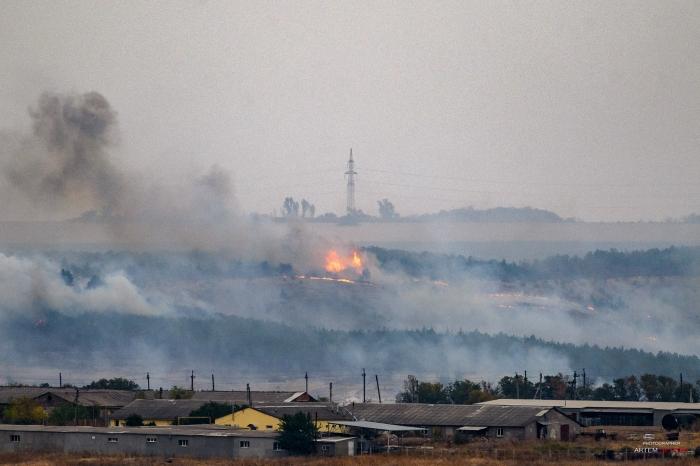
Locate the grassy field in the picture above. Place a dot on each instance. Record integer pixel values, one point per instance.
(374, 460)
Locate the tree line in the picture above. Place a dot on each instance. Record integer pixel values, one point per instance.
(647, 387)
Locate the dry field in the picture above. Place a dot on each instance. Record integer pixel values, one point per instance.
(374, 460)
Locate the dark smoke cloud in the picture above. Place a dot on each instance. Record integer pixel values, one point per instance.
(66, 162)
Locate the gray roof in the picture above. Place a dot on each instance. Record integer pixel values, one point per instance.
(320, 411)
(95, 397)
(159, 409)
(7, 394)
(198, 430)
(592, 404)
(505, 416)
(417, 414)
(378, 426)
(86, 397)
(412, 414)
(241, 397)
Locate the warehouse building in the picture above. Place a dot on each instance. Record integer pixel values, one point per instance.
(447, 421)
(174, 441)
(612, 413)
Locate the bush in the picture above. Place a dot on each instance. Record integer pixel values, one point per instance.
(134, 421)
(24, 410)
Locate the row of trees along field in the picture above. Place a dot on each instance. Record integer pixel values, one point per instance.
(648, 387)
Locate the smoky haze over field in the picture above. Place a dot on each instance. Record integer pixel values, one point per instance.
(137, 225)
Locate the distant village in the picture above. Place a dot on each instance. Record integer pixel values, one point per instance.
(178, 422)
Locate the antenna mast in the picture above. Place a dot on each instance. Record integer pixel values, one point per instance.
(351, 185)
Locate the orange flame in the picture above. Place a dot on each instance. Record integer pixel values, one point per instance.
(335, 263)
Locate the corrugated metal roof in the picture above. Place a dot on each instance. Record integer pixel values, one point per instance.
(378, 426)
(580, 404)
(412, 414)
(415, 414)
(7, 394)
(95, 397)
(159, 409)
(320, 411)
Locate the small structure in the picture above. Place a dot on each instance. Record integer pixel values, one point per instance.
(157, 412)
(269, 416)
(174, 441)
(335, 446)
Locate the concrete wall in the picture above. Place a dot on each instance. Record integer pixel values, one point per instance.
(137, 444)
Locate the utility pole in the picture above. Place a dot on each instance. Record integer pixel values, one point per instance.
(585, 388)
(306, 378)
(192, 381)
(212, 383)
(330, 392)
(540, 385)
(573, 386)
(350, 173)
(379, 394)
(60, 380)
(517, 387)
(248, 395)
(148, 381)
(364, 392)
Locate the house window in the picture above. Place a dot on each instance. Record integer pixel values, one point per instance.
(324, 448)
(269, 427)
(245, 443)
(14, 438)
(183, 442)
(112, 439)
(499, 431)
(151, 440)
(276, 446)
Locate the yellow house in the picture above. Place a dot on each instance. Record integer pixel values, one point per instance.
(269, 416)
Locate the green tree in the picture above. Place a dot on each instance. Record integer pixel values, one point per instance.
(179, 393)
(605, 392)
(70, 414)
(24, 410)
(297, 434)
(134, 421)
(468, 392)
(213, 410)
(117, 383)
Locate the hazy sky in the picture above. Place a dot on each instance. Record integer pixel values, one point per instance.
(591, 109)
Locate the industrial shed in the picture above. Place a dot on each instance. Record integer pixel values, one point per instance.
(610, 413)
(508, 422)
(441, 420)
(158, 412)
(175, 441)
(520, 423)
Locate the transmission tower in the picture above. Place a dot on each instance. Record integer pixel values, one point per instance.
(351, 185)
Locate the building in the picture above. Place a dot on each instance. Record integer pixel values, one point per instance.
(519, 423)
(157, 412)
(241, 397)
(268, 417)
(612, 413)
(336, 446)
(173, 441)
(446, 421)
(102, 402)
